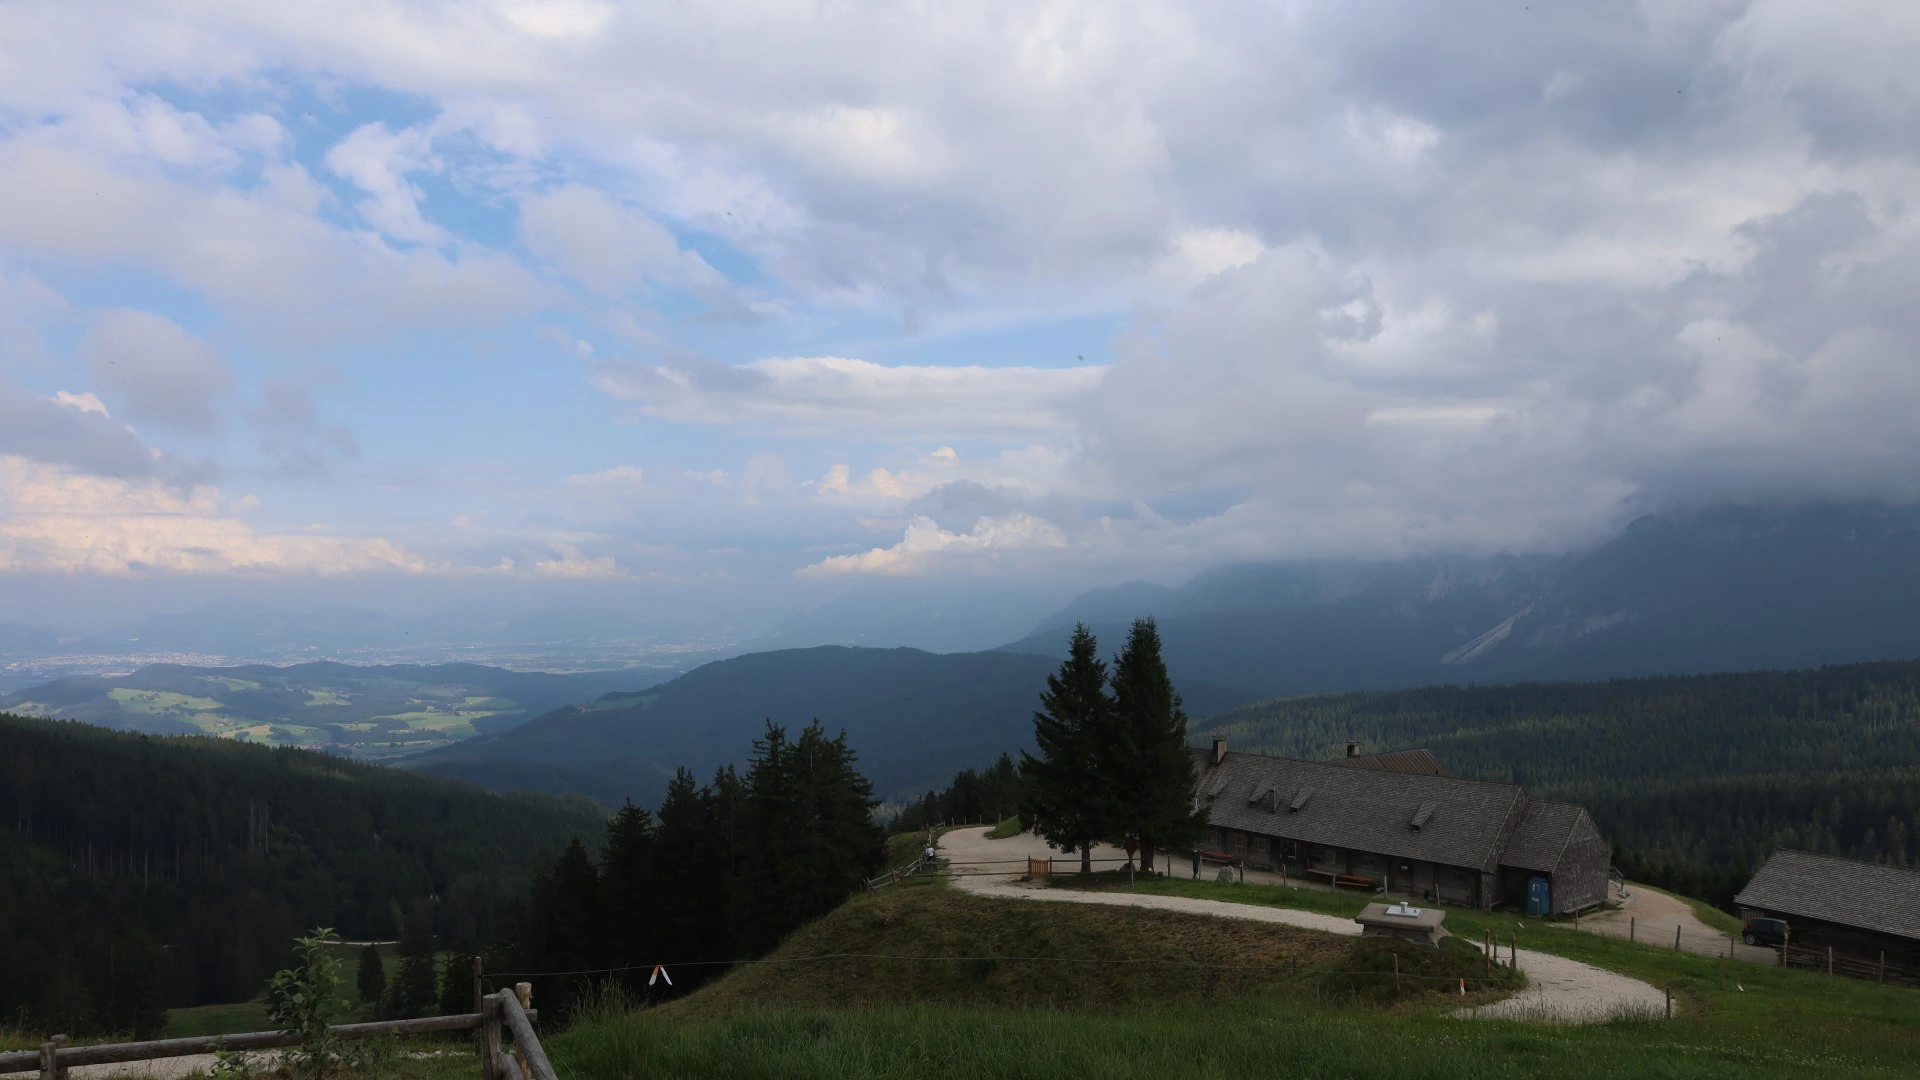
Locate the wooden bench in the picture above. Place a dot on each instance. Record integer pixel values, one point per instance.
(1351, 881)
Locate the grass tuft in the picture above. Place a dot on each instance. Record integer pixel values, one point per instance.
(1007, 829)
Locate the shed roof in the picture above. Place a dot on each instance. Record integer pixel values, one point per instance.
(1419, 761)
(1871, 896)
(1363, 809)
(1542, 835)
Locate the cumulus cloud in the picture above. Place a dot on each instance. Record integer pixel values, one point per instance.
(598, 242)
(378, 161)
(1414, 275)
(572, 564)
(290, 432)
(58, 520)
(71, 429)
(265, 255)
(617, 476)
(819, 394)
(925, 546)
(156, 371)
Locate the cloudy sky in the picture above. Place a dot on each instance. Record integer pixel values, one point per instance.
(776, 299)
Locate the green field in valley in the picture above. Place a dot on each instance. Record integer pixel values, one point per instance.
(377, 714)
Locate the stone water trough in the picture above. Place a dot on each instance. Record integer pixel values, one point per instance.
(1404, 922)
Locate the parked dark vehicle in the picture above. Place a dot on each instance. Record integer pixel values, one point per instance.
(1764, 932)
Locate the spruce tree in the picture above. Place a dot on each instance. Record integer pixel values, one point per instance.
(628, 900)
(1149, 764)
(413, 990)
(371, 979)
(692, 861)
(456, 983)
(1065, 795)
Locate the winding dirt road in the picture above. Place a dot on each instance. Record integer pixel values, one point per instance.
(1559, 990)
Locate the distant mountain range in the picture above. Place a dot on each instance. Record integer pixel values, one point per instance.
(371, 713)
(1726, 589)
(913, 716)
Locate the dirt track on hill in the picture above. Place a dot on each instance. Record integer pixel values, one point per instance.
(1559, 990)
(1651, 916)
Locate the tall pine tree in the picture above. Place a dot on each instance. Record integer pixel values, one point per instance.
(1148, 763)
(1066, 795)
(810, 814)
(629, 894)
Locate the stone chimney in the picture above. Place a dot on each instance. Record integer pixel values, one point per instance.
(1219, 751)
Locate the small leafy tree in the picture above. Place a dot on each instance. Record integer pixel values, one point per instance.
(304, 1000)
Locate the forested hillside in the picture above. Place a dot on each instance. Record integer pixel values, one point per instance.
(143, 872)
(913, 716)
(1695, 779)
(723, 872)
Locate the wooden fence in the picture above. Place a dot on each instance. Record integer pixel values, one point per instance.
(1831, 961)
(510, 1009)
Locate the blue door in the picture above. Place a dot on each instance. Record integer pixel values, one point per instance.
(1539, 899)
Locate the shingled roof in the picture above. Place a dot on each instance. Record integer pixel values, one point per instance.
(1885, 899)
(1363, 809)
(1542, 835)
(1420, 762)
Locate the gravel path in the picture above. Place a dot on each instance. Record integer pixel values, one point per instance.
(1651, 916)
(1559, 990)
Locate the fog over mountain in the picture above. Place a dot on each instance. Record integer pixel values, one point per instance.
(1721, 589)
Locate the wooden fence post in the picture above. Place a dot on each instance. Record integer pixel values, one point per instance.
(1396, 974)
(1669, 1002)
(490, 1038)
(1631, 919)
(480, 1006)
(1676, 938)
(1829, 959)
(523, 992)
(1513, 950)
(1723, 971)
(50, 1067)
(1883, 965)
(1486, 952)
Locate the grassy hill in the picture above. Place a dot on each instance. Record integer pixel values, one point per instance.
(371, 713)
(931, 945)
(853, 1016)
(1696, 777)
(913, 716)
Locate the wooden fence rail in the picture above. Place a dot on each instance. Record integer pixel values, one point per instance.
(54, 1058)
(1830, 961)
